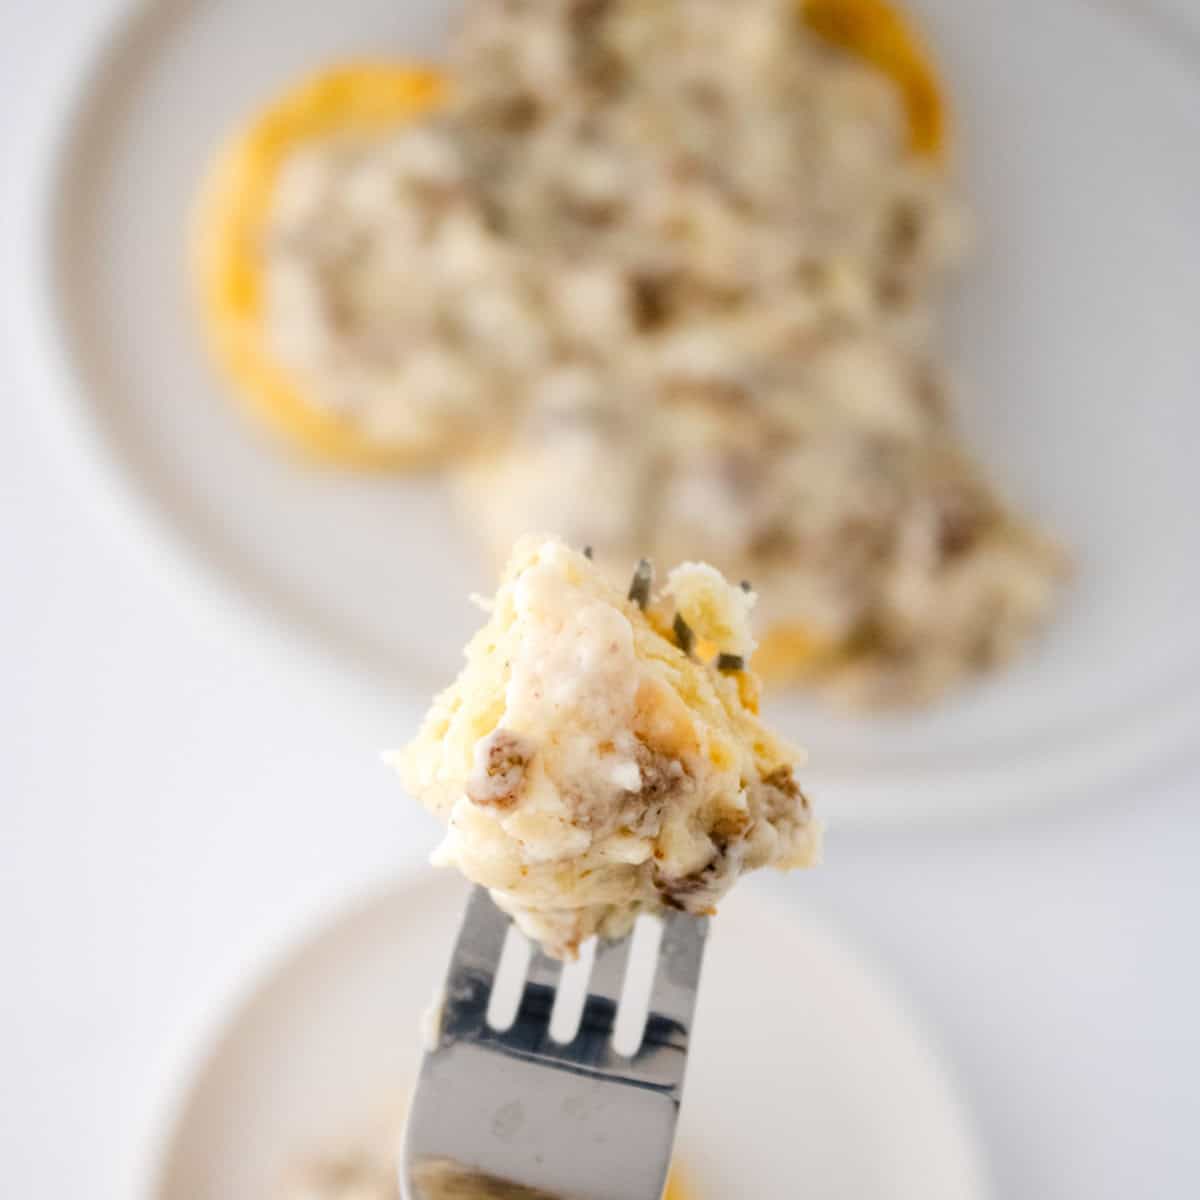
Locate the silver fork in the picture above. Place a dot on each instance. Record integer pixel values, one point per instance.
(514, 1113)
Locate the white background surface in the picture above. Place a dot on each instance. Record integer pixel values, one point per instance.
(172, 797)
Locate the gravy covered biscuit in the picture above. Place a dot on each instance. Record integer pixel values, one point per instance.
(279, 222)
(601, 754)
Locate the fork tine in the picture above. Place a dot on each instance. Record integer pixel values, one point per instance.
(481, 935)
(677, 977)
(540, 983)
(473, 965)
(530, 1031)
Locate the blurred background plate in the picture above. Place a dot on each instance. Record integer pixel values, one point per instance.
(806, 1078)
(1073, 336)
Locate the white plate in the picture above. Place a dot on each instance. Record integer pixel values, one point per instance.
(1075, 333)
(806, 1077)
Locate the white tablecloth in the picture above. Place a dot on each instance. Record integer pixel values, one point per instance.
(171, 800)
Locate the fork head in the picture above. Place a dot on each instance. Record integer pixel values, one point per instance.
(514, 1113)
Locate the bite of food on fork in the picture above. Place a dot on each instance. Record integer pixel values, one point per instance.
(599, 757)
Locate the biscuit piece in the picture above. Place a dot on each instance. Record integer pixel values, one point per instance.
(257, 283)
(601, 755)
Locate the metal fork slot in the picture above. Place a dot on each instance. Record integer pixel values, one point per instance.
(642, 962)
(530, 1032)
(541, 983)
(603, 1001)
(508, 986)
(572, 993)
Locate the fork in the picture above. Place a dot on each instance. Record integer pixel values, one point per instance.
(513, 1113)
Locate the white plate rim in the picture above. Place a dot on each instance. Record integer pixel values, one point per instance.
(199, 1042)
(89, 460)
(198, 1037)
(1159, 737)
